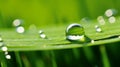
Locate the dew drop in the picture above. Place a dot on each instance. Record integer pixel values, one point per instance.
(98, 29)
(75, 33)
(112, 19)
(92, 41)
(8, 56)
(42, 35)
(110, 12)
(20, 29)
(17, 22)
(4, 48)
(101, 20)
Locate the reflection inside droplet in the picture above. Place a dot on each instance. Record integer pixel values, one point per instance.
(20, 29)
(76, 37)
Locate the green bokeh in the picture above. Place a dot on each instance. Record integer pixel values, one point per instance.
(52, 12)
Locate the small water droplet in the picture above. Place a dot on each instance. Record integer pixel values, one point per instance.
(112, 19)
(75, 33)
(4, 48)
(8, 56)
(98, 29)
(101, 20)
(92, 41)
(110, 12)
(20, 29)
(42, 35)
(17, 22)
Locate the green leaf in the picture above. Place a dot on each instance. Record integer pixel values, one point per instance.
(30, 40)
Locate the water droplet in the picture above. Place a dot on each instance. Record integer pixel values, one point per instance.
(112, 19)
(98, 29)
(110, 12)
(92, 41)
(8, 56)
(75, 33)
(101, 20)
(17, 22)
(42, 35)
(20, 29)
(4, 48)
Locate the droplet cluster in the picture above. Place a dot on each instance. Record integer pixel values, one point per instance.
(18, 24)
(4, 48)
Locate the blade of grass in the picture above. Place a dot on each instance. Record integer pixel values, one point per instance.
(31, 41)
(104, 57)
(18, 59)
(53, 59)
(3, 61)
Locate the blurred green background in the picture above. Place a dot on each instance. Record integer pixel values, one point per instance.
(52, 12)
